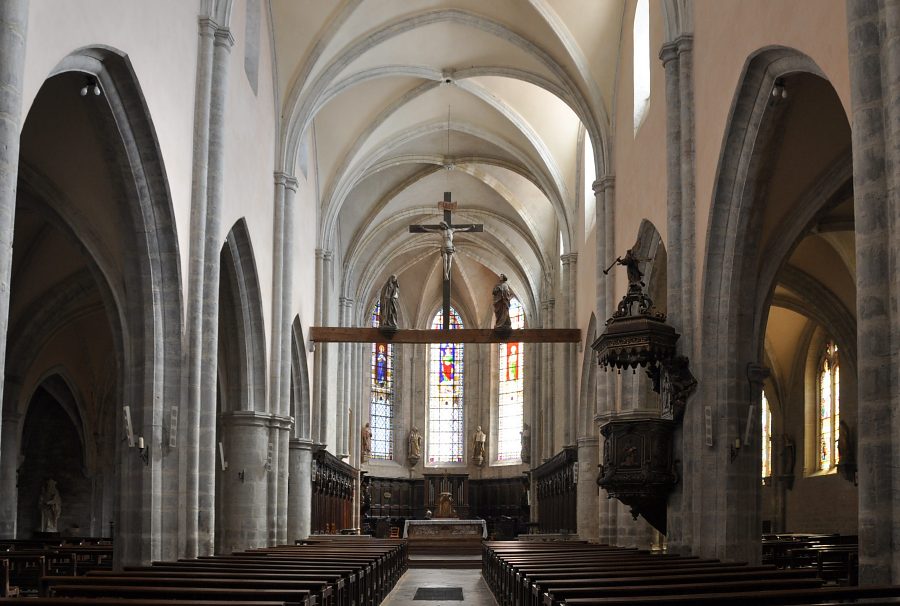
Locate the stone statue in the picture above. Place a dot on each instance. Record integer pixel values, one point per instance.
(502, 295)
(526, 443)
(478, 440)
(447, 248)
(390, 294)
(51, 505)
(365, 443)
(415, 446)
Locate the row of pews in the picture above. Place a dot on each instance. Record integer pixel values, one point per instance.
(23, 562)
(318, 572)
(834, 556)
(581, 574)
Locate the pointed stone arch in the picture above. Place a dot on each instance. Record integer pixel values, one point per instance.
(140, 285)
(732, 323)
(241, 330)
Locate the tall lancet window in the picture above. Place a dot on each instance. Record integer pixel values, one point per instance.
(641, 58)
(445, 396)
(766, 425)
(381, 407)
(829, 406)
(512, 394)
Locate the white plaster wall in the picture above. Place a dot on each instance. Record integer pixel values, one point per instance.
(250, 155)
(817, 28)
(160, 40)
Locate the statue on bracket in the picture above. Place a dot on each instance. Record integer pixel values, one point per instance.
(502, 294)
(526, 443)
(388, 300)
(478, 440)
(415, 446)
(365, 444)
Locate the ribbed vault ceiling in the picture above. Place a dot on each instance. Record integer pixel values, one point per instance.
(401, 101)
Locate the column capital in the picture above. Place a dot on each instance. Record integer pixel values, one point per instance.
(603, 183)
(674, 48)
(345, 302)
(224, 38)
(300, 444)
(323, 254)
(569, 259)
(288, 181)
(207, 27)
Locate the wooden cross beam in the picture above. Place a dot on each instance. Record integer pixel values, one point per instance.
(346, 334)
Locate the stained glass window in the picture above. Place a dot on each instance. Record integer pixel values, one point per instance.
(766, 425)
(512, 400)
(445, 396)
(381, 407)
(829, 407)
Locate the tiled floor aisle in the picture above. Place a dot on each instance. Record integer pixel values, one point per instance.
(475, 591)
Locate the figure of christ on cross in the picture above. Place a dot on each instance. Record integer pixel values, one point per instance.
(446, 229)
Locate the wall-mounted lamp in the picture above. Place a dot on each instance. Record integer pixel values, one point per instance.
(779, 92)
(90, 85)
(734, 449)
(143, 450)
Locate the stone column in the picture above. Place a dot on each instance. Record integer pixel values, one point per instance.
(215, 190)
(9, 463)
(568, 290)
(278, 310)
(677, 58)
(547, 384)
(13, 28)
(299, 490)
(587, 489)
(320, 386)
(244, 520)
(284, 409)
(189, 459)
(874, 34)
(279, 436)
(345, 371)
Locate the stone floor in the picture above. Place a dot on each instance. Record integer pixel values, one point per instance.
(475, 591)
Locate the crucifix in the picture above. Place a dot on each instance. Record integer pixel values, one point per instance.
(446, 229)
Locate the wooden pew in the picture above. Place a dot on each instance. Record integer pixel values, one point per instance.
(290, 597)
(319, 588)
(130, 602)
(751, 598)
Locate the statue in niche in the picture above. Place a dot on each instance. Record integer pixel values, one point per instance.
(388, 301)
(526, 443)
(365, 444)
(51, 505)
(502, 294)
(415, 446)
(478, 440)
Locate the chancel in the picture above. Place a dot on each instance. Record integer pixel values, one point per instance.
(268, 337)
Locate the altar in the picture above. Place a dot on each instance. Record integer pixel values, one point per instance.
(444, 528)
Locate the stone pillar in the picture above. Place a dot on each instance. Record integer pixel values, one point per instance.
(278, 310)
(9, 464)
(299, 490)
(345, 371)
(320, 387)
(215, 190)
(548, 382)
(279, 436)
(874, 34)
(189, 460)
(284, 388)
(568, 290)
(244, 520)
(587, 489)
(677, 59)
(13, 28)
